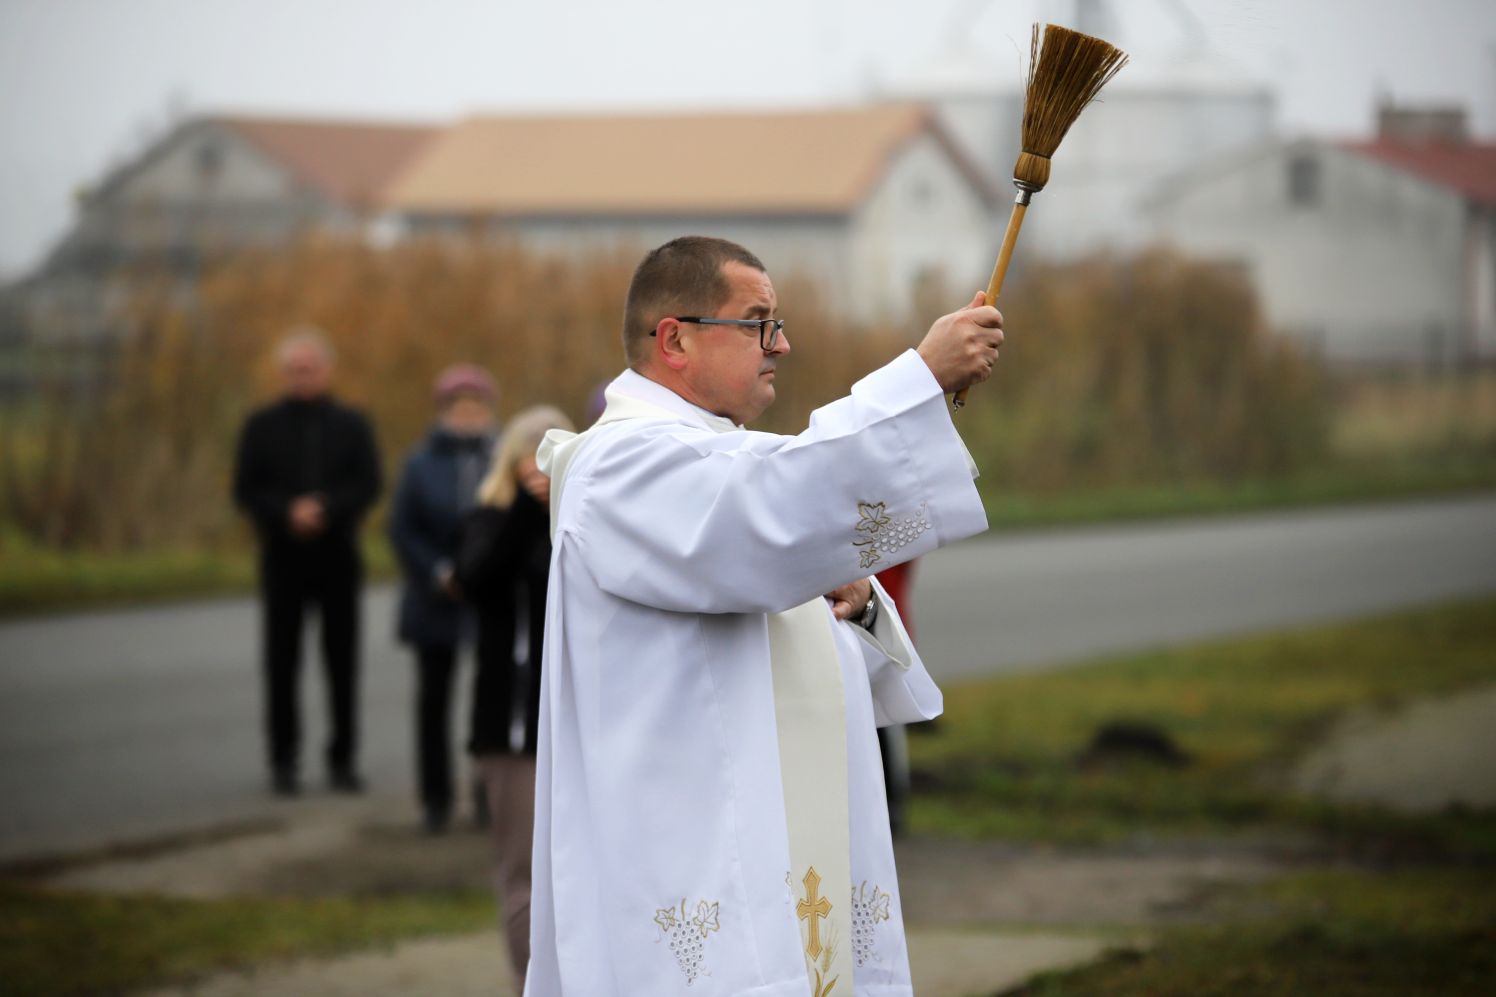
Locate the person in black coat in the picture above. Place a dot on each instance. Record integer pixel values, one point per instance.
(306, 472)
(438, 484)
(503, 561)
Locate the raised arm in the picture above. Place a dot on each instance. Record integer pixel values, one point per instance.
(693, 521)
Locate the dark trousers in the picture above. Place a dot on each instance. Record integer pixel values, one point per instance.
(436, 671)
(328, 577)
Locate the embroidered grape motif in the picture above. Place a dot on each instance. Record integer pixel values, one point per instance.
(687, 933)
(867, 911)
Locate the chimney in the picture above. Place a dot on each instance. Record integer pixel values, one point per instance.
(1409, 125)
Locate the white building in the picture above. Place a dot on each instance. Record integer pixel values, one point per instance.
(875, 203)
(1371, 252)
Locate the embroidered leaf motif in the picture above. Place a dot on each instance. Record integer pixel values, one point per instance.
(869, 557)
(665, 918)
(879, 907)
(706, 918)
(873, 515)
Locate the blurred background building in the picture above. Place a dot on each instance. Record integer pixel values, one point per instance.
(1368, 251)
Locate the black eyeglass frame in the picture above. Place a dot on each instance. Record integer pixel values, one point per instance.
(769, 329)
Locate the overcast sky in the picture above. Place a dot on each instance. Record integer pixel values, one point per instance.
(85, 83)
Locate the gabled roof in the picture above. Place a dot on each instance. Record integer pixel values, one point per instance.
(1466, 167)
(350, 162)
(787, 162)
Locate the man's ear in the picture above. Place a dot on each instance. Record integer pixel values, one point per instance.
(669, 346)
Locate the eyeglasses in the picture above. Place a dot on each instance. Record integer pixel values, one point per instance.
(768, 328)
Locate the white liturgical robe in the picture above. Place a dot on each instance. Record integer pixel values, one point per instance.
(684, 547)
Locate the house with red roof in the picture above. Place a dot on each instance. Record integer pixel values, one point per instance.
(1370, 252)
(211, 186)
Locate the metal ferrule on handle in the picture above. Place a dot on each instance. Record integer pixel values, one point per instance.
(1026, 192)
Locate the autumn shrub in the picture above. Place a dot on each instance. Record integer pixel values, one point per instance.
(1116, 370)
(1146, 369)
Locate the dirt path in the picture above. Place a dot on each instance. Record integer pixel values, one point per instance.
(1425, 757)
(981, 918)
(945, 964)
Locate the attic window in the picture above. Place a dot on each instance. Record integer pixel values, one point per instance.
(1303, 180)
(209, 160)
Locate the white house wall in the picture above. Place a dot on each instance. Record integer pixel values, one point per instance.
(1370, 272)
(1482, 283)
(987, 127)
(804, 245)
(924, 220)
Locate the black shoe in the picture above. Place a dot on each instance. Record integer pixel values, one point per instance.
(283, 782)
(345, 781)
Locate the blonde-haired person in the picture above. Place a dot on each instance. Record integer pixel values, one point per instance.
(502, 563)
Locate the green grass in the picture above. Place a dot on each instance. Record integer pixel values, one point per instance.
(56, 943)
(1003, 760)
(1407, 904)
(35, 579)
(1342, 933)
(1339, 482)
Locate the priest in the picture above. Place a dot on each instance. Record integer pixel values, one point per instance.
(710, 816)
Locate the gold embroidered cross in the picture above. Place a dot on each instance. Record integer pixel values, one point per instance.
(810, 908)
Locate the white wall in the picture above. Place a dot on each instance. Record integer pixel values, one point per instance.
(924, 218)
(807, 244)
(1482, 283)
(1371, 271)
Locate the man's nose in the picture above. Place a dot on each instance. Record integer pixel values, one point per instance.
(781, 344)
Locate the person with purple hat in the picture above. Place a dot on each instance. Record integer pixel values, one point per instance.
(438, 485)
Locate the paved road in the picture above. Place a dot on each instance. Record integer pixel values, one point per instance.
(126, 724)
(1046, 597)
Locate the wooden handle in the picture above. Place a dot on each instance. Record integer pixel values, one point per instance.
(995, 285)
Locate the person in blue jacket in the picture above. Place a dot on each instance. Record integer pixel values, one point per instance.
(438, 485)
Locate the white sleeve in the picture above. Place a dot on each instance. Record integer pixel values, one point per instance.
(688, 520)
(903, 692)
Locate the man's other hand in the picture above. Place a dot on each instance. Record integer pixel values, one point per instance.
(851, 599)
(537, 483)
(307, 516)
(961, 348)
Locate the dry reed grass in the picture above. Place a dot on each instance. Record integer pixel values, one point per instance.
(1116, 371)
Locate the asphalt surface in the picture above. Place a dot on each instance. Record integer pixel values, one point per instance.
(134, 723)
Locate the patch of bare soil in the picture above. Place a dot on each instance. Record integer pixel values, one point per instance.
(979, 883)
(1428, 756)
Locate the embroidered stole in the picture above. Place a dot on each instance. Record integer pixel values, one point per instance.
(810, 709)
(810, 714)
